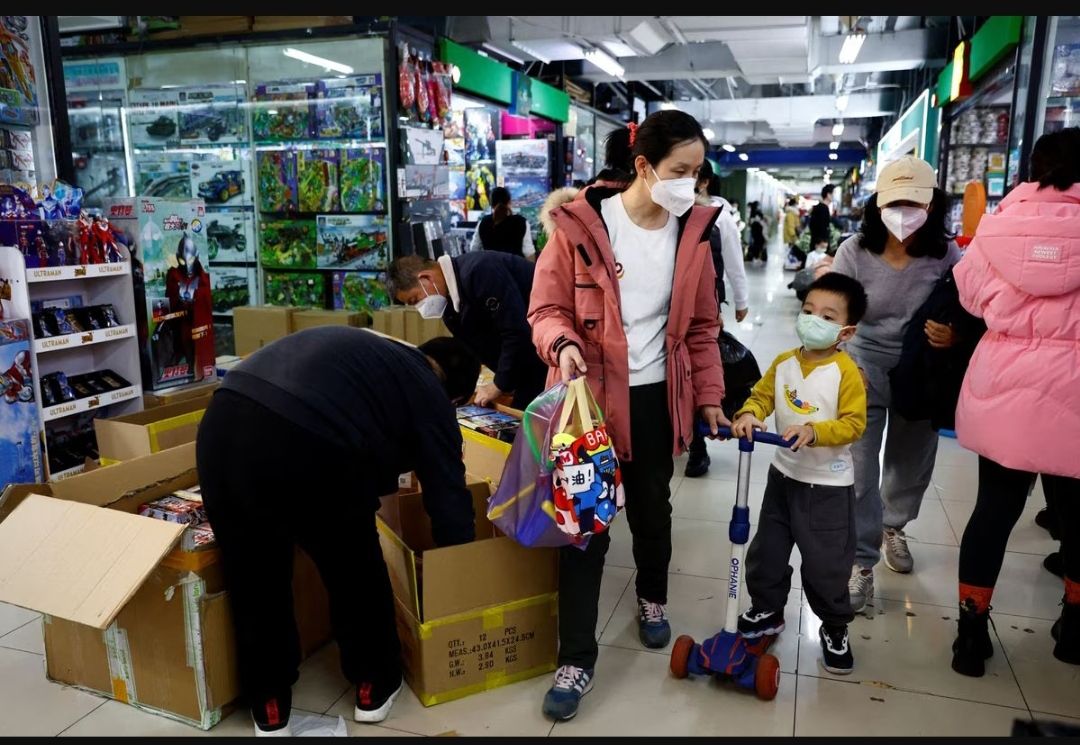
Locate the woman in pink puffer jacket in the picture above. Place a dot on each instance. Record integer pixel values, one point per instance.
(1020, 404)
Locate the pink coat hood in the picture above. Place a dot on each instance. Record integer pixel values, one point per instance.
(1020, 403)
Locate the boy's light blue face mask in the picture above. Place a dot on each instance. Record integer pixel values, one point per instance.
(816, 333)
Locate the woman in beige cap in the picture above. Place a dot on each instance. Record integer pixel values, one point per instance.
(899, 253)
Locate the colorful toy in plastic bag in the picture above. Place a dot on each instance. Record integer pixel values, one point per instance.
(586, 482)
(522, 506)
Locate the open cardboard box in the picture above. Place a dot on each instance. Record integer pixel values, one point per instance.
(470, 617)
(151, 430)
(485, 457)
(127, 614)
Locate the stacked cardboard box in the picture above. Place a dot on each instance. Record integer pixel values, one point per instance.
(256, 326)
(149, 431)
(307, 319)
(407, 324)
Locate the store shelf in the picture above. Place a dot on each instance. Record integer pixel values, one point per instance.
(1063, 100)
(70, 408)
(84, 339)
(317, 144)
(297, 215)
(79, 271)
(998, 145)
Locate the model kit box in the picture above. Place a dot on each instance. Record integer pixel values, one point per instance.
(485, 456)
(174, 509)
(224, 183)
(174, 306)
(152, 430)
(20, 441)
(463, 638)
(133, 618)
(255, 326)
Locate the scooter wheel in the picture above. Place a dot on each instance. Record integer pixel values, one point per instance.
(680, 656)
(767, 677)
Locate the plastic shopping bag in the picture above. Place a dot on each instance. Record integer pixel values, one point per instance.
(522, 507)
(586, 481)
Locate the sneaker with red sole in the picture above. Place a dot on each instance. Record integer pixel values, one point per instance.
(373, 702)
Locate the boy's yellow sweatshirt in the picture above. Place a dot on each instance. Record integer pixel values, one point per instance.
(827, 394)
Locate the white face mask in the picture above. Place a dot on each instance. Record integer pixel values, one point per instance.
(903, 221)
(676, 195)
(432, 306)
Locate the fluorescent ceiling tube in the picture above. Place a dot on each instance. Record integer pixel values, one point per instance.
(605, 62)
(729, 148)
(837, 129)
(531, 52)
(841, 102)
(852, 44)
(312, 59)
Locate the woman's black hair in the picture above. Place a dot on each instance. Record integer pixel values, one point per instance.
(1055, 159)
(500, 195)
(663, 131)
(931, 240)
(618, 155)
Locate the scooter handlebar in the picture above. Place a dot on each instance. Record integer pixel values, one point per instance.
(764, 438)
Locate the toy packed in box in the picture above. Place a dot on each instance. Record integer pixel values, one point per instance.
(298, 289)
(277, 181)
(282, 112)
(153, 117)
(183, 507)
(177, 338)
(489, 422)
(287, 244)
(56, 321)
(317, 180)
(221, 183)
(1065, 70)
(362, 181)
(363, 291)
(211, 114)
(18, 79)
(349, 108)
(232, 286)
(168, 178)
(353, 242)
(58, 388)
(71, 441)
(20, 443)
(230, 237)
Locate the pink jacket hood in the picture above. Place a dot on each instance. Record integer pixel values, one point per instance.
(1033, 239)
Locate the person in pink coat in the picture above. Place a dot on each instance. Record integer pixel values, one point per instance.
(1019, 406)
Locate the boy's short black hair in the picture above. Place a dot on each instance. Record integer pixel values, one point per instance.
(849, 287)
(460, 369)
(827, 190)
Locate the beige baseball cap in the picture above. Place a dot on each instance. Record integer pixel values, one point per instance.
(908, 179)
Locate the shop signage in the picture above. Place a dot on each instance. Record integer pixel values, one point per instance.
(94, 75)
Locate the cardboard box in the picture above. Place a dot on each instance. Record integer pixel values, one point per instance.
(306, 319)
(145, 432)
(419, 329)
(279, 23)
(463, 637)
(255, 326)
(485, 457)
(202, 389)
(126, 615)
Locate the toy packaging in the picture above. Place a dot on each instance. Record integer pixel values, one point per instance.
(168, 242)
(363, 180)
(352, 242)
(349, 108)
(479, 183)
(363, 291)
(153, 118)
(168, 178)
(230, 237)
(282, 112)
(299, 289)
(1065, 70)
(481, 132)
(70, 441)
(18, 86)
(20, 448)
(232, 286)
(100, 175)
(198, 537)
(211, 115)
(222, 183)
(317, 180)
(277, 181)
(173, 509)
(287, 244)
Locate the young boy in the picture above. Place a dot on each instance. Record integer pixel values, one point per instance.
(818, 396)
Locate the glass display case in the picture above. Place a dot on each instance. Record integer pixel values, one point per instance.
(1059, 100)
(26, 137)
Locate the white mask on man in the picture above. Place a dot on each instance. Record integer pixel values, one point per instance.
(432, 306)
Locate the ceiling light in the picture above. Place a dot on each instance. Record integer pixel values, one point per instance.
(841, 102)
(850, 50)
(312, 59)
(668, 106)
(501, 53)
(709, 134)
(837, 129)
(605, 62)
(530, 51)
(833, 156)
(730, 148)
(744, 156)
(455, 74)
(834, 145)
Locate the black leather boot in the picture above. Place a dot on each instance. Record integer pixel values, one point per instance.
(972, 647)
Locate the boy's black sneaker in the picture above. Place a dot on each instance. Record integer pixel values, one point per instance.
(374, 701)
(756, 623)
(1044, 521)
(836, 654)
(271, 716)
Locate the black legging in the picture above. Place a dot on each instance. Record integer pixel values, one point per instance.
(1002, 495)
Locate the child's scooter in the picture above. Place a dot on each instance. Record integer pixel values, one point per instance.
(727, 654)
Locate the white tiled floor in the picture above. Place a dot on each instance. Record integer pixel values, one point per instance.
(902, 684)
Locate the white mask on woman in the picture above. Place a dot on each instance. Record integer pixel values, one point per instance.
(676, 195)
(903, 221)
